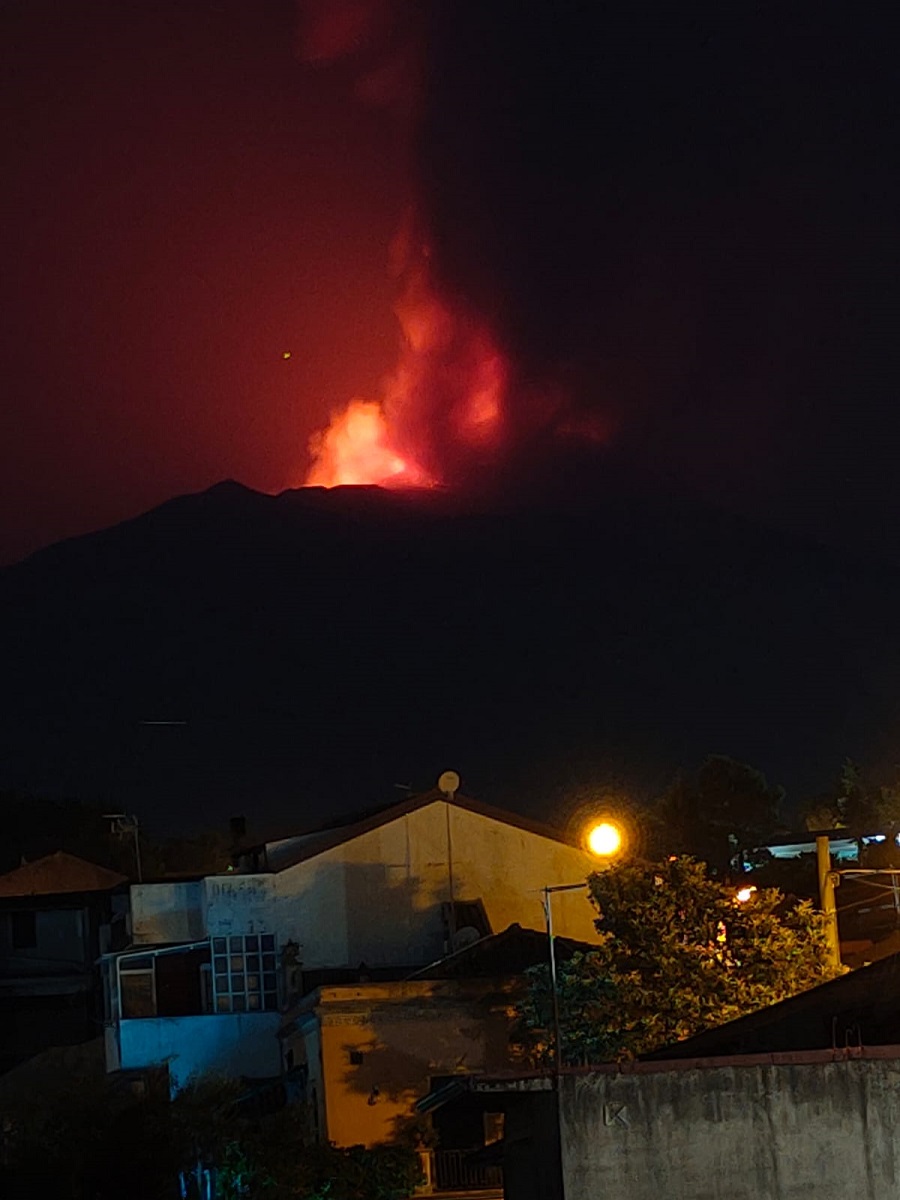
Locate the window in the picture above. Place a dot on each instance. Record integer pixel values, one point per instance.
(356, 1058)
(137, 984)
(24, 930)
(493, 1127)
(244, 973)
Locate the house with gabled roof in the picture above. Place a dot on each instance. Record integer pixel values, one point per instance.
(57, 915)
(213, 961)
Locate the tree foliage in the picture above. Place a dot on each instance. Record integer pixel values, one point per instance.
(94, 1140)
(678, 955)
(709, 814)
(857, 801)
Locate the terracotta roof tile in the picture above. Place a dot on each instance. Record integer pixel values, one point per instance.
(57, 874)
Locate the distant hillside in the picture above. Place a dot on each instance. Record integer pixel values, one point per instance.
(324, 646)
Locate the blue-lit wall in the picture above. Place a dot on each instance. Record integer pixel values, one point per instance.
(229, 1044)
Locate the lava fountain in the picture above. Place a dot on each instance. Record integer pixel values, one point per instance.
(443, 403)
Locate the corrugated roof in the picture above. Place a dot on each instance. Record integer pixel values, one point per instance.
(58, 874)
(861, 1008)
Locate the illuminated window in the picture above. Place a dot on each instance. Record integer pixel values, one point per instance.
(244, 973)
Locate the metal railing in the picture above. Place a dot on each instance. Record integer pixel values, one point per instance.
(460, 1170)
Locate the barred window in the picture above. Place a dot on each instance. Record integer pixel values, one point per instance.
(244, 973)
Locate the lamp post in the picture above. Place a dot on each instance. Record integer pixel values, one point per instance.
(554, 990)
(604, 840)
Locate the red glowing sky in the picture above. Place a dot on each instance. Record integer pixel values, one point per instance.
(189, 203)
(186, 202)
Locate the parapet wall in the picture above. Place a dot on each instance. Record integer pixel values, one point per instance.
(741, 1130)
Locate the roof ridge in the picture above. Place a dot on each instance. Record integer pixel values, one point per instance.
(318, 841)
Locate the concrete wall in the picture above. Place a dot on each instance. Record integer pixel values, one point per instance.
(240, 904)
(373, 1050)
(190, 911)
(167, 912)
(228, 1044)
(734, 1132)
(377, 899)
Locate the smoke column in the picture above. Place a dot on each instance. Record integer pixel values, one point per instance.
(634, 224)
(447, 411)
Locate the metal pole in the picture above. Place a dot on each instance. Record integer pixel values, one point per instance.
(827, 900)
(137, 849)
(554, 983)
(557, 1032)
(554, 991)
(451, 910)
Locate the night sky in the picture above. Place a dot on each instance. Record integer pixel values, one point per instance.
(183, 204)
(683, 217)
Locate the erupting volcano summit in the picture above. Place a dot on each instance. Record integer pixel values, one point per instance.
(445, 399)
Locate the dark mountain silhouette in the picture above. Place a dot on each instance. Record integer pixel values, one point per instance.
(322, 647)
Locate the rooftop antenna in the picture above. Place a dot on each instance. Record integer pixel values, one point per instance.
(448, 784)
(122, 825)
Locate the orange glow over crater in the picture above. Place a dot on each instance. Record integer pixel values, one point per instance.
(444, 400)
(355, 448)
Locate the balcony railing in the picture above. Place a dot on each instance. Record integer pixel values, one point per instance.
(462, 1170)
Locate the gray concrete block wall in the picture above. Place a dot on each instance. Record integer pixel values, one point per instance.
(735, 1132)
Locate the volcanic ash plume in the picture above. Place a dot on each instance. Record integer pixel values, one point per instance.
(440, 412)
(445, 414)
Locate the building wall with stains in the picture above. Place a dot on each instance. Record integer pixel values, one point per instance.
(230, 1045)
(735, 1131)
(167, 912)
(373, 1050)
(377, 899)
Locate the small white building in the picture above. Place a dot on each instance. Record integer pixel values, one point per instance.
(213, 960)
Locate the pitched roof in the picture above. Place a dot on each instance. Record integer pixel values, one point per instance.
(861, 1008)
(57, 874)
(287, 852)
(510, 952)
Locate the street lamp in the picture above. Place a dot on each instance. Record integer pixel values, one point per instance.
(604, 839)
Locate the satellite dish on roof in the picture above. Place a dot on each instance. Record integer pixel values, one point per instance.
(448, 784)
(464, 937)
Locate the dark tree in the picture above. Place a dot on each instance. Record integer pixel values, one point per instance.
(721, 808)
